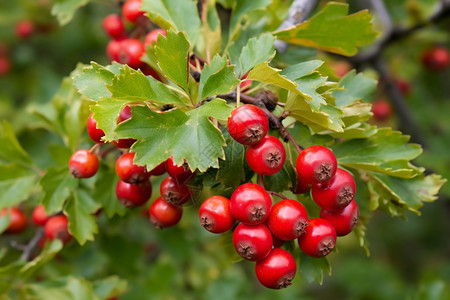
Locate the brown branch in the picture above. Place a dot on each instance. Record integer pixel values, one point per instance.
(277, 194)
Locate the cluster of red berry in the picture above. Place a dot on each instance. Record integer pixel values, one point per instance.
(263, 228)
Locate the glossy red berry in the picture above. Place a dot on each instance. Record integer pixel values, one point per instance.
(343, 220)
(287, 220)
(130, 52)
(436, 59)
(250, 204)
(248, 124)
(132, 195)
(159, 169)
(174, 193)
(252, 242)
(152, 36)
(39, 215)
(83, 164)
(95, 133)
(245, 84)
(113, 50)
(163, 214)
(17, 220)
(266, 157)
(130, 172)
(337, 194)
(180, 173)
(131, 10)
(301, 187)
(215, 214)
(125, 114)
(319, 239)
(382, 110)
(316, 165)
(277, 270)
(113, 26)
(403, 85)
(57, 227)
(24, 29)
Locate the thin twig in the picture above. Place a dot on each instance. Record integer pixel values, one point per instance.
(261, 180)
(28, 248)
(277, 194)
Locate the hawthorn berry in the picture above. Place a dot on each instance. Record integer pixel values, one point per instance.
(382, 110)
(83, 164)
(174, 193)
(130, 52)
(163, 214)
(319, 238)
(403, 85)
(159, 169)
(180, 173)
(5, 65)
(95, 133)
(152, 36)
(245, 84)
(301, 187)
(113, 50)
(125, 114)
(436, 59)
(266, 157)
(277, 270)
(132, 195)
(287, 220)
(131, 10)
(343, 220)
(113, 26)
(337, 194)
(39, 215)
(17, 220)
(215, 214)
(250, 204)
(316, 165)
(252, 242)
(128, 171)
(248, 124)
(57, 227)
(24, 29)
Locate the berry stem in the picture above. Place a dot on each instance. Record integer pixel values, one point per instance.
(261, 180)
(28, 248)
(277, 194)
(94, 147)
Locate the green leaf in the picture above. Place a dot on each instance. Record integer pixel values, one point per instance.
(105, 113)
(82, 223)
(211, 30)
(190, 136)
(4, 222)
(172, 53)
(282, 180)
(265, 73)
(109, 287)
(332, 30)
(63, 288)
(356, 87)
(48, 253)
(226, 243)
(57, 185)
(179, 15)
(105, 193)
(231, 170)
(16, 184)
(11, 150)
(64, 10)
(301, 69)
(240, 9)
(313, 268)
(257, 51)
(217, 78)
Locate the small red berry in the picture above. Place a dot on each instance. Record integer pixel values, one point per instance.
(39, 215)
(152, 36)
(24, 29)
(266, 157)
(341, 68)
(250, 204)
(277, 270)
(245, 84)
(128, 171)
(57, 227)
(287, 220)
(95, 133)
(83, 164)
(113, 26)
(337, 194)
(17, 220)
(163, 214)
(159, 169)
(181, 173)
(301, 187)
(316, 165)
(132, 195)
(382, 110)
(403, 85)
(113, 50)
(319, 239)
(215, 214)
(252, 242)
(125, 114)
(248, 124)
(131, 10)
(436, 59)
(343, 220)
(130, 52)
(174, 193)
(5, 65)
(149, 71)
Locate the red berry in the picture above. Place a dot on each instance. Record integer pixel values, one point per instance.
(250, 204)
(316, 165)
(277, 270)
(403, 85)
(149, 71)
(113, 50)
(246, 84)
(152, 36)
(382, 110)
(287, 220)
(159, 169)
(337, 194)
(248, 124)
(125, 114)
(252, 242)
(436, 59)
(95, 133)
(174, 193)
(17, 220)
(113, 26)
(266, 157)
(301, 187)
(131, 10)
(24, 29)
(319, 238)
(132, 195)
(57, 227)
(130, 52)
(128, 171)
(343, 220)
(39, 215)
(5, 65)
(341, 68)
(163, 214)
(215, 214)
(180, 173)
(83, 164)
